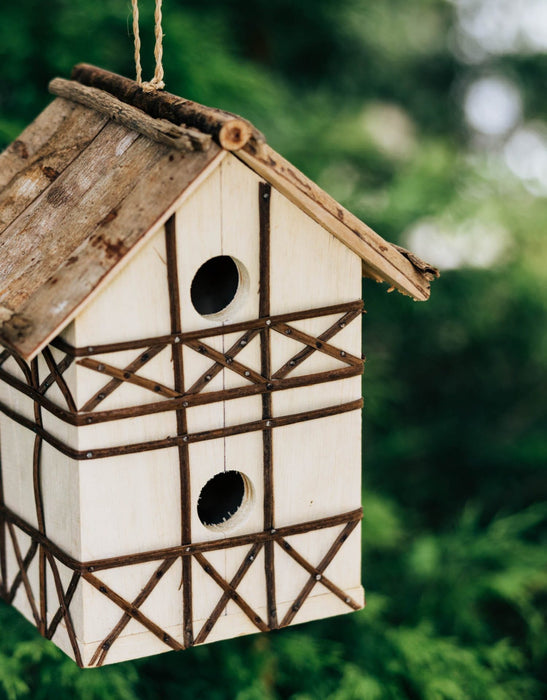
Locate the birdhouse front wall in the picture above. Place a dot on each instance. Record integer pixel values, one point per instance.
(168, 398)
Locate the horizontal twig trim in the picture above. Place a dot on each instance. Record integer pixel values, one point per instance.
(278, 534)
(103, 452)
(185, 400)
(188, 400)
(259, 323)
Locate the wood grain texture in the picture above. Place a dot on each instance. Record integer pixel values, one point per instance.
(229, 130)
(125, 186)
(384, 258)
(31, 164)
(179, 137)
(130, 479)
(31, 146)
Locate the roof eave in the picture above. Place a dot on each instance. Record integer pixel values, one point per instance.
(385, 261)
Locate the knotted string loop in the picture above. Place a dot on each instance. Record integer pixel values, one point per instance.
(157, 81)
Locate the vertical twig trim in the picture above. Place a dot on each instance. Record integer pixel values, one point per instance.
(264, 197)
(38, 496)
(182, 427)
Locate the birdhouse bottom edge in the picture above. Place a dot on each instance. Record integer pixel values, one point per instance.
(140, 613)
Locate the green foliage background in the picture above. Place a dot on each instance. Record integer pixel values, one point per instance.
(455, 493)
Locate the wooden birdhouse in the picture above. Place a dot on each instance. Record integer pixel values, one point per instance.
(180, 376)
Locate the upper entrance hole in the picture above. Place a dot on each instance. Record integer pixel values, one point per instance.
(217, 285)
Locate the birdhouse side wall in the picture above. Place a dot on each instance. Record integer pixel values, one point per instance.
(154, 576)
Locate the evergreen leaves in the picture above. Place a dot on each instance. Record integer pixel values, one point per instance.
(367, 98)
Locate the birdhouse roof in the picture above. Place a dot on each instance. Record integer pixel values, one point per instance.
(102, 167)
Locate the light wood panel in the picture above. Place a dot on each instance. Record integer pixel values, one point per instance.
(382, 257)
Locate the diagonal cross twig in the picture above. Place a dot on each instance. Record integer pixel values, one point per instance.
(133, 611)
(230, 590)
(59, 379)
(113, 384)
(212, 372)
(64, 606)
(227, 595)
(318, 575)
(24, 576)
(311, 343)
(225, 360)
(318, 571)
(62, 366)
(27, 561)
(129, 377)
(104, 647)
(70, 591)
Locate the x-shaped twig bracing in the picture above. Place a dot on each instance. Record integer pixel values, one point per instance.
(133, 611)
(115, 382)
(224, 361)
(228, 594)
(59, 379)
(317, 572)
(230, 590)
(103, 648)
(314, 344)
(24, 575)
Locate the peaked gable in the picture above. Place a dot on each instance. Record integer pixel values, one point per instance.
(89, 181)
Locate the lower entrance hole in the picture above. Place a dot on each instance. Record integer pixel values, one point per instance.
(224, 500)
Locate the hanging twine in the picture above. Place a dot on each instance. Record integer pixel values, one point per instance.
(157, 81)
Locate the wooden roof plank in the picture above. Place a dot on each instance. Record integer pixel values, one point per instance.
(34, 166)
(152, 198)
(16, 156)
(49, 230)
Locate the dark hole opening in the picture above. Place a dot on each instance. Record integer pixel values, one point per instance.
(221, 497)
(214, 285)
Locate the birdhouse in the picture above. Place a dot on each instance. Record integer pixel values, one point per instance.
(180, 376)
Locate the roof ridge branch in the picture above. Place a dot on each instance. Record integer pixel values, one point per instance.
(230, 131)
